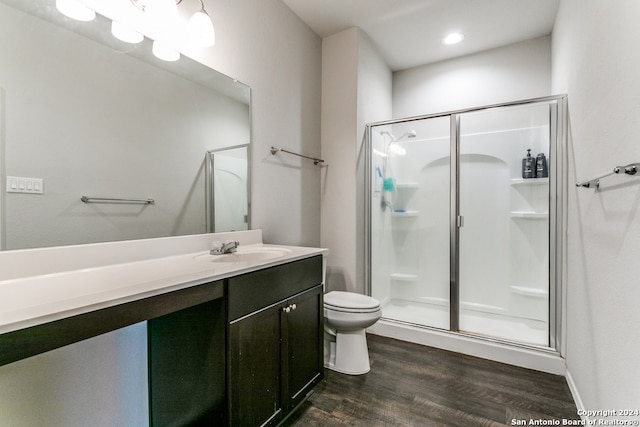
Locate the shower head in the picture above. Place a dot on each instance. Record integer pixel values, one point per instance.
(385, 132)
(409, 134)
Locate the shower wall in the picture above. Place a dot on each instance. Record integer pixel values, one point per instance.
(503, 249)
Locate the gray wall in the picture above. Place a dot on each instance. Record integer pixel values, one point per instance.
(358, 88)
(92, 121)
(509, 73)
(595, 61)
(263, 44)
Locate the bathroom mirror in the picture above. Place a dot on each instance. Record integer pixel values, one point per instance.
(227, 189)
(84, 114)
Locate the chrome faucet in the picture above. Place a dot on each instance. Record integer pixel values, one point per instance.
(227, 247)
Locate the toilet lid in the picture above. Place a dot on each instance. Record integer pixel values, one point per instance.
(350, 300)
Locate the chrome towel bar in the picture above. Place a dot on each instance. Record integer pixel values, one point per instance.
(86, 199)
(630, 169)
(316, 161)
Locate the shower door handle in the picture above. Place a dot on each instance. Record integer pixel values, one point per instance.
(460, 221)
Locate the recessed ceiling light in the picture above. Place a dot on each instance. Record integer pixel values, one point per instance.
(453, 38)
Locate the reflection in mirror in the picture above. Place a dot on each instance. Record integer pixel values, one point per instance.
(227, 179)
(102, 121)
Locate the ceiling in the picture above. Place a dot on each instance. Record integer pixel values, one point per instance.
(409, 33)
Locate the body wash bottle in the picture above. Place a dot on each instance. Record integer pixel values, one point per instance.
(528, 166)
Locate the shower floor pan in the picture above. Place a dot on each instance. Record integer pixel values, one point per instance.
(509, 328)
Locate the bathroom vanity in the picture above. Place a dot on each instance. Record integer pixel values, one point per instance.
(275, 341)
(273, 332)
(232, 339)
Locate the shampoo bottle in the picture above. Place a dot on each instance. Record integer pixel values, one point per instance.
(541, 166)
(528, 166)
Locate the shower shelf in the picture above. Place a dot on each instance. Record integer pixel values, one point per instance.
(531, 292)
(403, 277)
(406, 185)
(405, 214)
(530, 181)
(529, 215)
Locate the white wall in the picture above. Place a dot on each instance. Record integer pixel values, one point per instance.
(510, 73)
(356, 89)
(263, 44)
(595, 61)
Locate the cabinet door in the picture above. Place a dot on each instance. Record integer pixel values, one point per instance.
(254, 369)
(303, 365)
(187, 366)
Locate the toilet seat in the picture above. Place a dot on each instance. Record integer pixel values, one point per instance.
(350, 302)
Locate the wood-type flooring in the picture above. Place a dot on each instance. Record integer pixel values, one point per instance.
(414, 385)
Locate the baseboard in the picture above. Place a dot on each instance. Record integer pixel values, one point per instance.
(573, 388)
(543, 360)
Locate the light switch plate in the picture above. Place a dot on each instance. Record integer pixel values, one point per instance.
(18, 184)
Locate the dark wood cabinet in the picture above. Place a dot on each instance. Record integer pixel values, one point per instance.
(274, 352)
(303, 339)
(186, 362)
(247, 359)
(254, 369)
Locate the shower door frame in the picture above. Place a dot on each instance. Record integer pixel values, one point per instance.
(557, 214)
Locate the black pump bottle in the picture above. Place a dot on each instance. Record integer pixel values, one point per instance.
(528, 166)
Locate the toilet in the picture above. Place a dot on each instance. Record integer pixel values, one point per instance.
(346, 316)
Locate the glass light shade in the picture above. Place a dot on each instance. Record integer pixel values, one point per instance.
(201, 29)
(165, 51)
(125, 33)
(74, 9)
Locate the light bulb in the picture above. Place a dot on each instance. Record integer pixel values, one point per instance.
(74, 9)
(453, 38)
(201, 29)
(165, 51)
(125, 33)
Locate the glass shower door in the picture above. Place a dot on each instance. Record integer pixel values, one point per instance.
(410, 220)
(504, 233)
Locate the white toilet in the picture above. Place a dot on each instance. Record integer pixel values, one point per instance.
(346, 316)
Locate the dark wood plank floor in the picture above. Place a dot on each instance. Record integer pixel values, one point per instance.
(414, 385)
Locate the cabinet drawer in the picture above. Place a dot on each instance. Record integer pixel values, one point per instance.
(253, 291)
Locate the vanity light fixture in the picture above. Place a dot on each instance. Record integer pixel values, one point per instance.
(200, 26)
(453, 38)
(162, 15)
(75, 9)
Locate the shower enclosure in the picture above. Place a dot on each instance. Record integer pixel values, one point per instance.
(460, 236)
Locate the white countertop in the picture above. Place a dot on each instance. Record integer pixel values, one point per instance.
(82, 286)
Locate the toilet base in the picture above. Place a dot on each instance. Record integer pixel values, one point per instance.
(349, 354)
